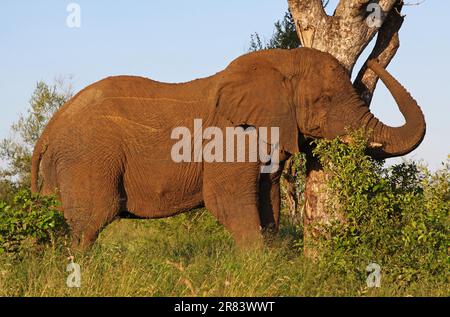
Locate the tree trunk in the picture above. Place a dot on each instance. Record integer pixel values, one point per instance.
(344, 35)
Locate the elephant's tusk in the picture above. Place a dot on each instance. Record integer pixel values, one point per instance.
(346, 139)
(375, 145)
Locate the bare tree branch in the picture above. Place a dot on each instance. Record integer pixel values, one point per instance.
(350, 8)
(414, 3)
(309, 14)
(384, 51)
(388, 5)
(344, 35)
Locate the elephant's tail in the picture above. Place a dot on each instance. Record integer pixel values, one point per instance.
(38, 152)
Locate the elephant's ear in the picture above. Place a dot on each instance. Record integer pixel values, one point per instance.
(260, 96)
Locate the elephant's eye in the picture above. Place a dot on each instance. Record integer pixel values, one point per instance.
(324, 99)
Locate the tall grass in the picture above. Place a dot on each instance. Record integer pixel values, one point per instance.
(397, 217)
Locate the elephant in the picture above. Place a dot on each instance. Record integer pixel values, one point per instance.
(107, 151)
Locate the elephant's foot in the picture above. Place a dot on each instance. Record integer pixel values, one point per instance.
(247, 235)
(85, 226)
(242, 221)
(83, 241)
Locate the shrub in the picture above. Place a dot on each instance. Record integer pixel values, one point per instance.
(30, 219)
(16, 150)
(395, 216)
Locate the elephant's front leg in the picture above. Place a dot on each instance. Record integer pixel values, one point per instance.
(231, 191)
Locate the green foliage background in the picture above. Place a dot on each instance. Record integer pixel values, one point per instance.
(29, 222)
(284, 36)
(17, 149)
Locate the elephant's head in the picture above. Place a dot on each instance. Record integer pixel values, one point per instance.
(308, 93)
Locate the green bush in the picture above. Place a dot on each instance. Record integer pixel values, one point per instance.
(16, 150)
(395, 216)
(30, 219)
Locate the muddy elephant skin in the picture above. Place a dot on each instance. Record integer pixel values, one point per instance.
(107, 151)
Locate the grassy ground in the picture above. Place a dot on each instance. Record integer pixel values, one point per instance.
(189, 255)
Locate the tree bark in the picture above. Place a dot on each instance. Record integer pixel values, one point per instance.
(344, 35)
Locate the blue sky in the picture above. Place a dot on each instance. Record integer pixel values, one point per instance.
(180, 40)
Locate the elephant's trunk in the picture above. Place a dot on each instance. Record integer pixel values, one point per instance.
(397, 141)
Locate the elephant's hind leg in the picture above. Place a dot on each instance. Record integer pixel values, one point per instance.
(269, 201)
(90, 200)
